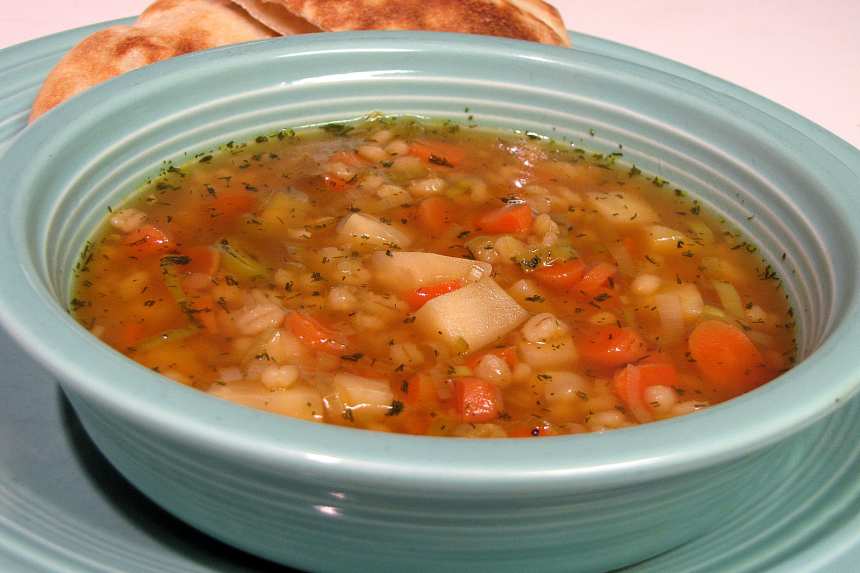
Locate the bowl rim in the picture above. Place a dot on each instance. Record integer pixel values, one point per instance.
(600, 460)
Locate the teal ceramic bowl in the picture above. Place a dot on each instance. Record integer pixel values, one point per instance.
(328, 498)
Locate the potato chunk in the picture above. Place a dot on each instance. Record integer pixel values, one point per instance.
(471, 317)
(622, 208)
(405, 271)
(360, 229)
(364, 396)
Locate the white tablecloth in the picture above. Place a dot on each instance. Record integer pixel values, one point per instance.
(804, 55)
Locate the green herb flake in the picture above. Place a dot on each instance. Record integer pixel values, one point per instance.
(439, 160)
(396, 408)
(180, 260)
(337, 129)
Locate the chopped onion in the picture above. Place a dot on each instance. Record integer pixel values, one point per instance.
(363, 395)
(636, 396)
(671, 316)
(730, 299)
(665, 239)
(231, 374)
(691, 300)
(622, 256)
(701, 232)
(760, 338)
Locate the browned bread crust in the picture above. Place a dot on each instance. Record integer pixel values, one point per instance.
(532, 20)
(166, 29)
(171, 28)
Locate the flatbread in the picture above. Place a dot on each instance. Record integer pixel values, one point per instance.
(171, 28)
(277, 17)
(166, 29)
(531, 20)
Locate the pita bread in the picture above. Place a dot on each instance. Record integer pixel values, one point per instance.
(167, 28)
(277, 17)
(171, 28)
(531, 20)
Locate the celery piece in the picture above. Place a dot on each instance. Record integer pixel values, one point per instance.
(238, 263)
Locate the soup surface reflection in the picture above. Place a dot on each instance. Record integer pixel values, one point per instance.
(434, 279)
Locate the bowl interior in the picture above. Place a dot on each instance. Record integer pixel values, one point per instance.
(768, 176)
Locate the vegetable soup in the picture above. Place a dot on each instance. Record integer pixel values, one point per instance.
(429, 278)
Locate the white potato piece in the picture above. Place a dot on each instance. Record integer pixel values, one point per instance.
(363, 396)
(406, 271)
(299, 402)
(622, 208)
(666, 239)
(361, 229)
(472, 317)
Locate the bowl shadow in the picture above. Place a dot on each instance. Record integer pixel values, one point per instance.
(157, 524)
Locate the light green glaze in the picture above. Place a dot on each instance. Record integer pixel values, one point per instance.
(327, 498)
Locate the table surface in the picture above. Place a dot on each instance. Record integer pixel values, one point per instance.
(803, 55)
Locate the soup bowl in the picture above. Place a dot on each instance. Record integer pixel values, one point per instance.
(329, 498)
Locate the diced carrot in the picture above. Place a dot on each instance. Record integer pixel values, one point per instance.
(438, 153)
(419, 390)
(203, 309)
(335, 183)
(561, 276)
(632, 245)
(611, 346)
(417, 423)
(508, 354)
(726, 357)
(507, 219)
(203, 259)
(477, 400)
(313, 333)
(630, 387)
(435, 214)
(649, 374)
(594, 280)
(232, 203)
(148, 240)
(419, 297)
(129, 334)
(350, 158)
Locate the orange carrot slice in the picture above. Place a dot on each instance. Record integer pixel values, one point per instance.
(129, 334)
(148, 240)
(726, 357)
(611, 346)
(203, 259)
(631, 382)
(313, 333)
(507, 219)
(335, 183)
(561, 276)
(232, 203)
(435, 215)
(419, 297)
(438, 153)
(595, 279)
(419, 390)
